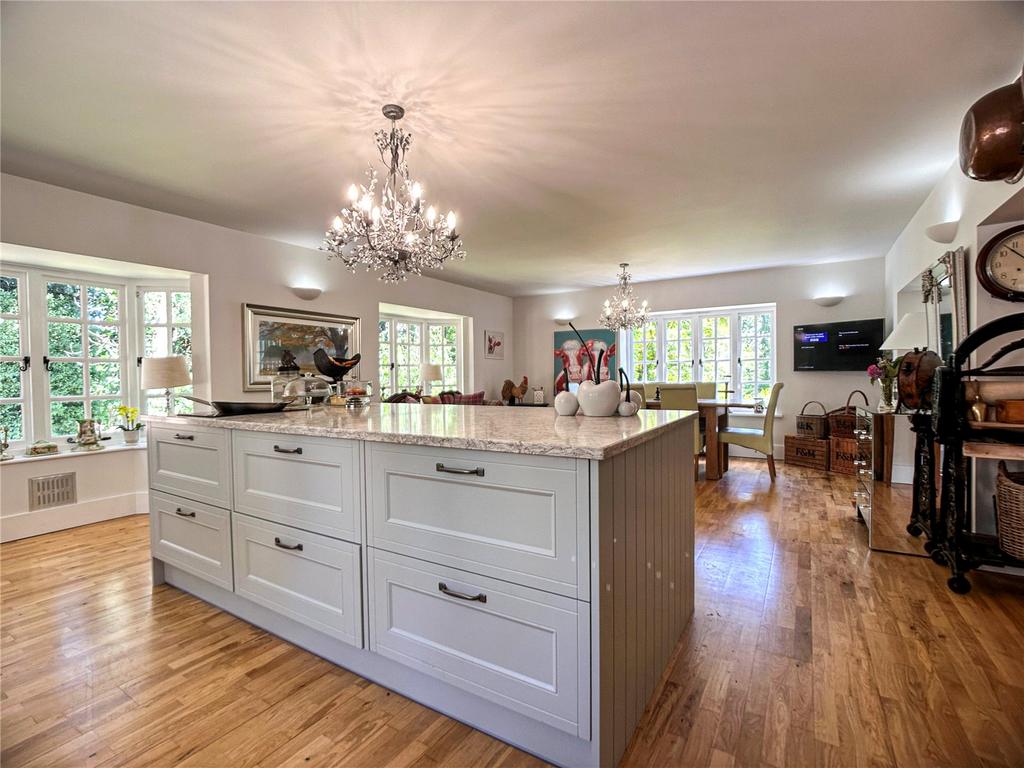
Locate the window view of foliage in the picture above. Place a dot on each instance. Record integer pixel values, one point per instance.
(8, 295)
(166, 315)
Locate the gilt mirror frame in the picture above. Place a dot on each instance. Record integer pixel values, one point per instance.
(951, 271)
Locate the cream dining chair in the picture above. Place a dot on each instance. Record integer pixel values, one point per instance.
(683, 397)
(759, 440)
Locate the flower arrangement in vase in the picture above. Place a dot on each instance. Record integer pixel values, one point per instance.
(885, 372)
(130, 424)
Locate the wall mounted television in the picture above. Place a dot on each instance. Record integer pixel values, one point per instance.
(847, 346)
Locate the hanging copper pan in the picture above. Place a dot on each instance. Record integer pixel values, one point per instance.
(992, 135)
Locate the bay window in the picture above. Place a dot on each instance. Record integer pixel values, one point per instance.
(732, 345)
(406, 343)
(165, 322)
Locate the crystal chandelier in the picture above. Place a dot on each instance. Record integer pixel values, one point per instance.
(620, 312)
(398, 234)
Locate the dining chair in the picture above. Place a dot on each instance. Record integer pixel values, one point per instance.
(707, 390)
(759, 440)
(683, 397)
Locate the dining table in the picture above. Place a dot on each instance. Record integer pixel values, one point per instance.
(714, 414)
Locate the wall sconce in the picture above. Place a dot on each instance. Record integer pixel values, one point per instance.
(943, 233)
(563, 321)
(307, 294)
(828, 301)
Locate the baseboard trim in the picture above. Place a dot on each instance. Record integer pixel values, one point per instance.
(22, 525)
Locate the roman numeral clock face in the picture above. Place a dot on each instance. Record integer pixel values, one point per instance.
(1000, 265)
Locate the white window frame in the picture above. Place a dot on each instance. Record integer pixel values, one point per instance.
(699, 366)
(139, 335)
(22, 318)
(425, 324)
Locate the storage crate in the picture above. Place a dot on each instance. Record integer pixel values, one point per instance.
(845, 452)
(807, 452)
(812, 424)
(843, 421)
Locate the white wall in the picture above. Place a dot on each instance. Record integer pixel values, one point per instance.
(791, 288)
(110, 484)
(242, 268)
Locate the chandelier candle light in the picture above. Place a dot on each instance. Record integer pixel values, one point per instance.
(399, 234)
(620, 312)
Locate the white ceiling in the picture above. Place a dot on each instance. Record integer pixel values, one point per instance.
(685, 138)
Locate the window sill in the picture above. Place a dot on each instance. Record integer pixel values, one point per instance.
(67, 453)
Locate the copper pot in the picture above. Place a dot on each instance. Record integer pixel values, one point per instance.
(992, 135)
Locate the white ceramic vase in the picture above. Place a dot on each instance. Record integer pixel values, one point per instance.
(566, 404)
(599, 399)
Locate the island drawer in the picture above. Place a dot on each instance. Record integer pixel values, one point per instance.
(307, 482)
(192, 536)
(310, 578)
(525, 649)
(193, 462)
(513, 517)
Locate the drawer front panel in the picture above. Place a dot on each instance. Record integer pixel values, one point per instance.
(516, 646)
(307, 577)
(195, 537)
(308, 483)
(191, 462)
(515, 518)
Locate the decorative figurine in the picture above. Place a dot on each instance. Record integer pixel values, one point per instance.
(88, 438)
(5, 444)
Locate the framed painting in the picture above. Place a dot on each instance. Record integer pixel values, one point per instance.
(494, 345)
(270, 332)
(574, 361)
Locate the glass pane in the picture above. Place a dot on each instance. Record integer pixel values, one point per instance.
(451, 375)
(64, 417)
(105, 412)
(436, 334)
(686, 329)
(764, 372)
(11, 417)
(105, 379)
(154, 307)
(763, 391)
(450, 355)
(450, 334)
(707, 327)
(722, 349)
(9, 297)
(384, 331)
(747, 372)
(181, 308)
(747, 325)
(65, 340)
(638, 372)
(414, 334)
(672, 353)
(181, 342)
(747, 348)
(722, 371)
(434, 355)
(764, 347)
(402, 332)
(747, 392)
(10, 380)
(384, 356)
(638, 335)
(764, 324)
(686, 350)
(385, 383)
(102, 303)
(156, 405)
(723, 326)
(104, 341)
(672, 329)
(652, 372)
(10, 338)
(402, 354)
(183, 406)
(414, 356)
(707, 351)
(66, 379)
(672, 372)
(156, 341)
(63, 300)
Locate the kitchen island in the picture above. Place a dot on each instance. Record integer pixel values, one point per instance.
(526, 573)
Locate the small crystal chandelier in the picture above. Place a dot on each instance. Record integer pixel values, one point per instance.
(400, 234)
(620, 312)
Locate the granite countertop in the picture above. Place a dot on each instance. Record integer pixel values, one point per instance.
(537, 431)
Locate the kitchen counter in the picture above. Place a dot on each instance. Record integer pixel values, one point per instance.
(531, 431)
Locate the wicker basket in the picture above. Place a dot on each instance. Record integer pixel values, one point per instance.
(812, 424)
(1010, 511)
(843, 421)
(844, 453)
(807, 452)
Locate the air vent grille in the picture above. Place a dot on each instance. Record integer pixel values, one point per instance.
(51, 491)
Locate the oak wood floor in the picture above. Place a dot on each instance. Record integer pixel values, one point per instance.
(805, 649)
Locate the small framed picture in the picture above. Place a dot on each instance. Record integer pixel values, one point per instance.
(494, 345)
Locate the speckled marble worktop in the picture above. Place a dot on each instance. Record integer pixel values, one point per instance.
(537, 431)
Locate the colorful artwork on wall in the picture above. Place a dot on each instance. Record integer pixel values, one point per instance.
(494, 345)
(574, 362)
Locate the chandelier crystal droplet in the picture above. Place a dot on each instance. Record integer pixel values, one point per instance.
(398, 234)
(621, 311)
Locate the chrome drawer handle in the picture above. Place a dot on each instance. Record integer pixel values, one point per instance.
(279, 449)
(442, 587)
(179, 436)
(184, 514)
(479, 471)
(293, 547)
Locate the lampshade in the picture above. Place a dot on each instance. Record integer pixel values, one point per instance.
(911, 332)
(164, 372)
(430, 372)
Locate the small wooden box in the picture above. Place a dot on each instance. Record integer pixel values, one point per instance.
(807, 452)
(844, 453)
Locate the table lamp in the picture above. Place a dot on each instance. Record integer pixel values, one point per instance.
(165, 373)
(430, 372)
(911, 332)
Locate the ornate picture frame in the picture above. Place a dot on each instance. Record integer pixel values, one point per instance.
(269, 331)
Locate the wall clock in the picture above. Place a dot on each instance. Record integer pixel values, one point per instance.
(1000, 265)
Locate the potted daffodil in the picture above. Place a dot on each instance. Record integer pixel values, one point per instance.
(130, 424)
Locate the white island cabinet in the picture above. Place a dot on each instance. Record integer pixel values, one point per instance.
(525, 573)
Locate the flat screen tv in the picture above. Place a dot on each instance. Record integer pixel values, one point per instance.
(848, 346)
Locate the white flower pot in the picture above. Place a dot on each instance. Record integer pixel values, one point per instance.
(599, 399)
(131, 436)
